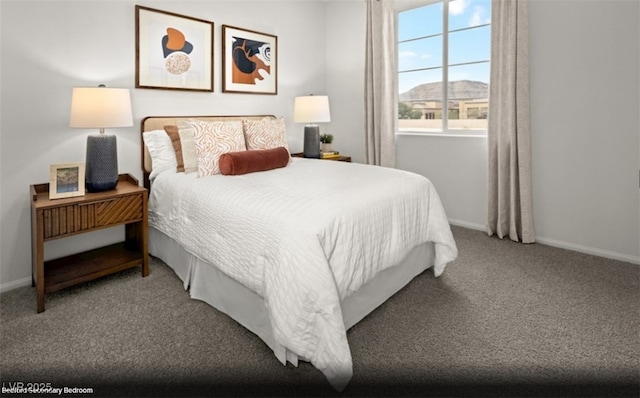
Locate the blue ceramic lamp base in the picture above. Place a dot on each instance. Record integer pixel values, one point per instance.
(101, 169)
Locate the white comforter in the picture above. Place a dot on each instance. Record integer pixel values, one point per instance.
(304, 237)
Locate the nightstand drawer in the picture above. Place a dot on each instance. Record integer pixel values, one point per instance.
(68, 220)
(118, 210)
(60, 221)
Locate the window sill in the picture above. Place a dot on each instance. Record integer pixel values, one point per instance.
(437, 134)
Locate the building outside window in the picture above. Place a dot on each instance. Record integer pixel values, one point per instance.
(444, 49)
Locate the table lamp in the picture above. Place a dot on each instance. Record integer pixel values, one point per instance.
(101, 107)
(311, 109)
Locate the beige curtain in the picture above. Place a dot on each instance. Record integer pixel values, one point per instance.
(380, 89)
(509, 183)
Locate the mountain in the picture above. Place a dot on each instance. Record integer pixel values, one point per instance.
(460, 89)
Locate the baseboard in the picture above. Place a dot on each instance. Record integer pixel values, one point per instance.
(5, 287)
(561, 244)
(470, 225)
(589, 250)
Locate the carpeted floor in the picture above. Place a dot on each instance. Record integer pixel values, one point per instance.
(505, 319)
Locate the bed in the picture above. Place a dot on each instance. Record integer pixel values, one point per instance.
(296, 254)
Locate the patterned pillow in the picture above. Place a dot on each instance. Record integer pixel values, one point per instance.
(212, 139)
(265, 133)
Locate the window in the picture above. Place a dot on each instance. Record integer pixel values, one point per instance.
(444, 50)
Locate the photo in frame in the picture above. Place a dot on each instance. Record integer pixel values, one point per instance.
(173, 52)
(249, 61)
(66, 180)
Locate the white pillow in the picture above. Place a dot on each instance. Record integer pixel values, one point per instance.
(163, 156)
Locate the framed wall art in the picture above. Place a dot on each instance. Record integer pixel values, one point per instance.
(173, 52)
(249, 61)
(66, 180)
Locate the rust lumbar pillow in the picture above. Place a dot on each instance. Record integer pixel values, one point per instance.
(243, 162)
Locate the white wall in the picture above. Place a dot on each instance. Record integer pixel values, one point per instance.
(345, 38)
(585, 128)
(457, 166)
(48, 47)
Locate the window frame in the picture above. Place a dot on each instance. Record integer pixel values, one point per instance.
(406, 5)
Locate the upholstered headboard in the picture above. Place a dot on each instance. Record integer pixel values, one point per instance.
(151, 123)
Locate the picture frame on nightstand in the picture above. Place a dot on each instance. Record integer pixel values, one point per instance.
(66, 180)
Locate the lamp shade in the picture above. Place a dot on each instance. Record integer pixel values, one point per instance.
(100, 107)
(311, 109)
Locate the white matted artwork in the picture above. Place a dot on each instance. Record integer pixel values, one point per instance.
(249, 61)
(173, 51)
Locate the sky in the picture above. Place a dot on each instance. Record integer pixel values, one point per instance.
(464, 46)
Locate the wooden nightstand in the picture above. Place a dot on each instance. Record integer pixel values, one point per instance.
(340, 159)
(60, 218)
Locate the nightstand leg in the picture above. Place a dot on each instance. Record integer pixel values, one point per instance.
(37, 256)
(145, 265)
(39, 282)
(39, 279)
(136, 239)
(144, 234)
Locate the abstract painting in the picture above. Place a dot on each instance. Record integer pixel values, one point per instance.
(173, 51)
(249, 61)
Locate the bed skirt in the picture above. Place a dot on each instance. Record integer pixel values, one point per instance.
(207, 283)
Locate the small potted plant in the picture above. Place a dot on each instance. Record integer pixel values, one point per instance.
(326, 140)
